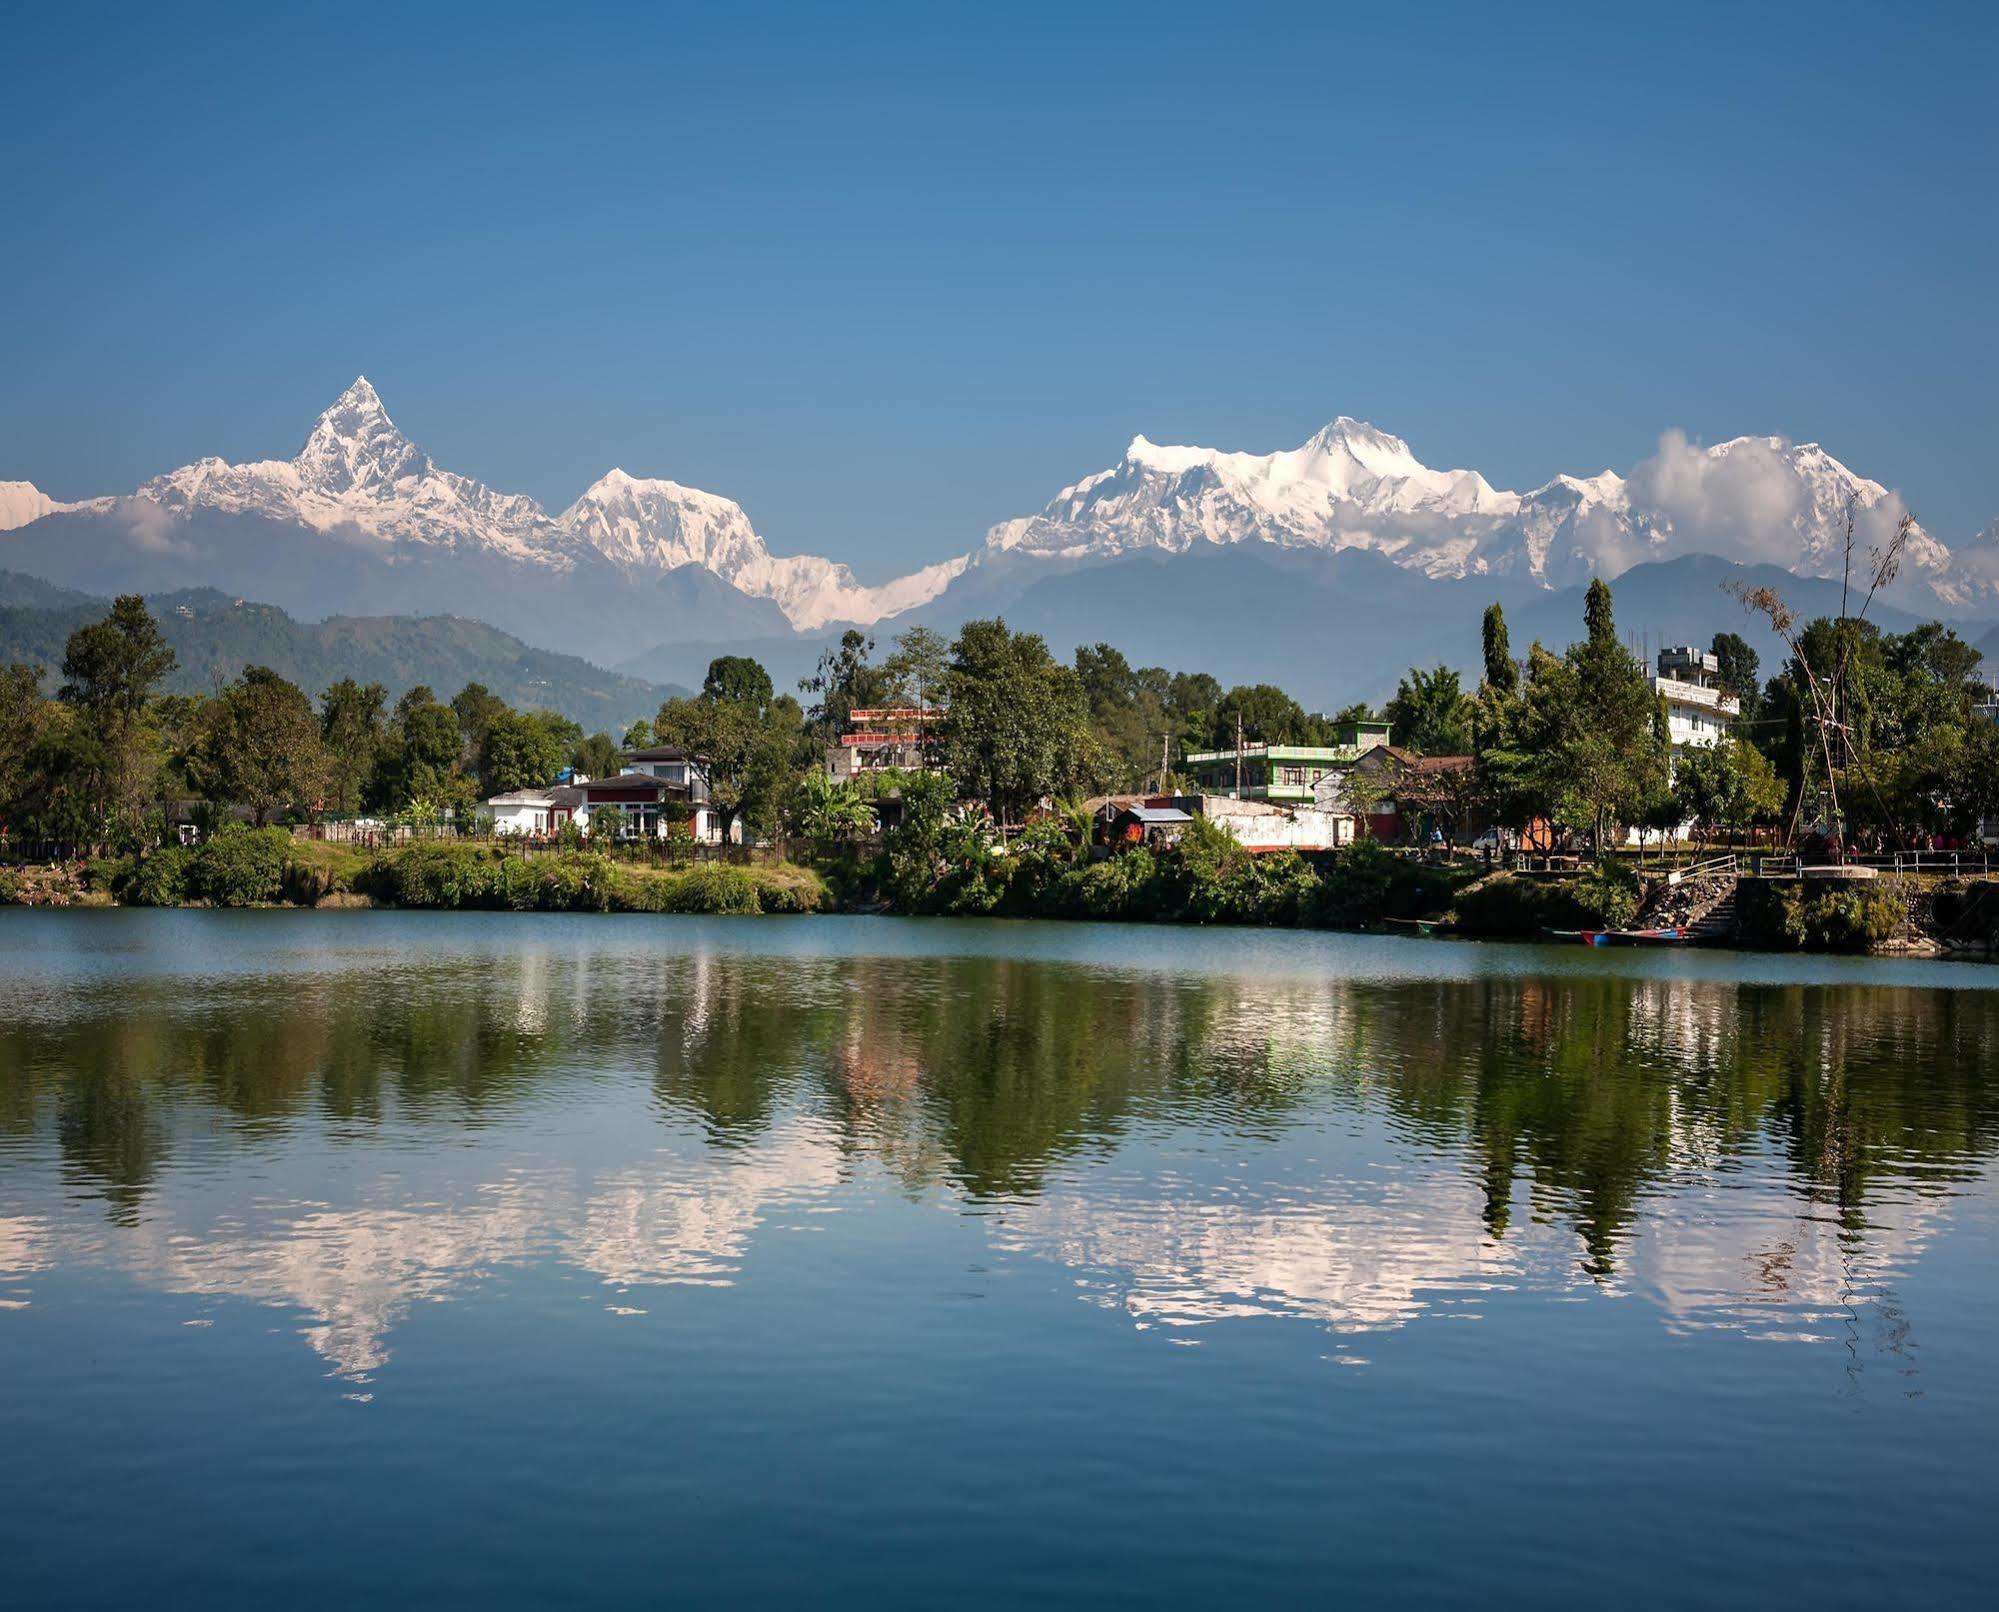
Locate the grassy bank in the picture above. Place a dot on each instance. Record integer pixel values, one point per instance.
(242, 867)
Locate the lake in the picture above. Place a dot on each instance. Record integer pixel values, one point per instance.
(480, 1260)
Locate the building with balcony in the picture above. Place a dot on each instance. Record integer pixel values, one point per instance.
(889, 739)
(1697, 711)
(1284, 774)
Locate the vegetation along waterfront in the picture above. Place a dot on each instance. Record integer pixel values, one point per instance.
(1005, 781)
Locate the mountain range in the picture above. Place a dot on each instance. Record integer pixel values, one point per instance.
(1350, 527)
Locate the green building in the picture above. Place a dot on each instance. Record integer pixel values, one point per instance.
(1285, 774)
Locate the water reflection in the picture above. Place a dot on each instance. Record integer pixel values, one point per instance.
(393, 1128)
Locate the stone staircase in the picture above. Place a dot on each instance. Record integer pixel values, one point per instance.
(1716, 926)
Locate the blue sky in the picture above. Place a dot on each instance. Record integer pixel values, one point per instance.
(887, 274)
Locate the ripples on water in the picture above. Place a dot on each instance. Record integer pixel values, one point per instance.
(1460, 1232)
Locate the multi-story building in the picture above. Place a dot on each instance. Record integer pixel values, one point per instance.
(892, 738)
(1287, 774)
(1697, 711)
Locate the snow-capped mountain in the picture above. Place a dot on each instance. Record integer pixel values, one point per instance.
(659, 525)
(23, 501)
(358, 476)
(1352, 486)
(652, 557)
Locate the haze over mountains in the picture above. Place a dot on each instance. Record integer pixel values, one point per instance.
(1212, 551)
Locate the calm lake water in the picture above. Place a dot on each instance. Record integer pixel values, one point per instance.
(375, 1258)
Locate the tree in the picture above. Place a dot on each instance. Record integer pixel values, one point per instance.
(597, 757)
(833, 810)
(1017, 727)
(752, 740)
(350, 725)
(110, 669)
(844, 681)
(23, 717)
(1269, 716)
(1502, 676)
(1727, 785)
(517, 751)
(639, 736)
(262, 747)
(1739, 666)
(917, 667)
(420, 763)
(476, 706)
(1430, 714)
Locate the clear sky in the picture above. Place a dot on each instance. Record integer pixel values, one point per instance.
(887, 274)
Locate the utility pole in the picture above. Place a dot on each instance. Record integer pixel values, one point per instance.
(1165, 758)
(1238, 755)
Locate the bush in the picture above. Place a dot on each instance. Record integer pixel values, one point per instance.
(112, 874)
(11, 887)
(1606, 897)
(1504, 907)
(1854, 918)
(715, 889)
(789, 889)
(240, 867)
(162, 879)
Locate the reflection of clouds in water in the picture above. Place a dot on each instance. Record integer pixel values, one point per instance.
(356, 1272)
(25, 1247)
(1355, 1265)
(1780, 1269)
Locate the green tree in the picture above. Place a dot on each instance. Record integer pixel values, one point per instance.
(517, 751)
(1502, 675)
(1739, 666)
(111, 669)
(751, 739)
(597, 757)
(1269, 716)
(351, 726)
(1018, 724)
(476, 706)
(1430, 714)
(833, 810)
(261, 747)
(639, 736)
(922, 655)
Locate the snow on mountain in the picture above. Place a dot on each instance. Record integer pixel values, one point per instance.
(657, 525)
(358, 474)
(1756, 499)
(23, 501)
(360, 480)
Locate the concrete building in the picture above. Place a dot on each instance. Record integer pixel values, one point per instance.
(1284, 774)
(534, 811)
(892, 738)
(1697, 711)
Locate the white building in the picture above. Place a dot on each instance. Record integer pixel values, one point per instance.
(1697, 711)
(535, 811)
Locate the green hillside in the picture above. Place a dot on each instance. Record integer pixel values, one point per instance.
(214, 637)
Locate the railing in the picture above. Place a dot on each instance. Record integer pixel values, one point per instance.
(1714, 867)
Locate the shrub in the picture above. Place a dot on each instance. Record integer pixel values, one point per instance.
(11, 887)
(1853, 919)
(1504, 907)
(162, 879)
(1606, 897)
(788, 889)
(1355, 885)
(241, 867)
(112, 874)
(715, 889)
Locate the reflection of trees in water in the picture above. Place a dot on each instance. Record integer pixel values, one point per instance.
(1583, 1093)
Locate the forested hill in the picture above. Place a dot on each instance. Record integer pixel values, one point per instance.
(214, 637)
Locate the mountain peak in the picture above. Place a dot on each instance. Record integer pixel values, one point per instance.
(354, 444)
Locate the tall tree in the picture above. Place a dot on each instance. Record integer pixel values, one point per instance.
(518, 752)
(1430, 714)
(262, 746)
(1018, 725)
(350, 723)
(110, 669)
(1502, 675)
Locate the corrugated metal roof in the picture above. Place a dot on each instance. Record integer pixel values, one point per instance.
(1156, 814)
